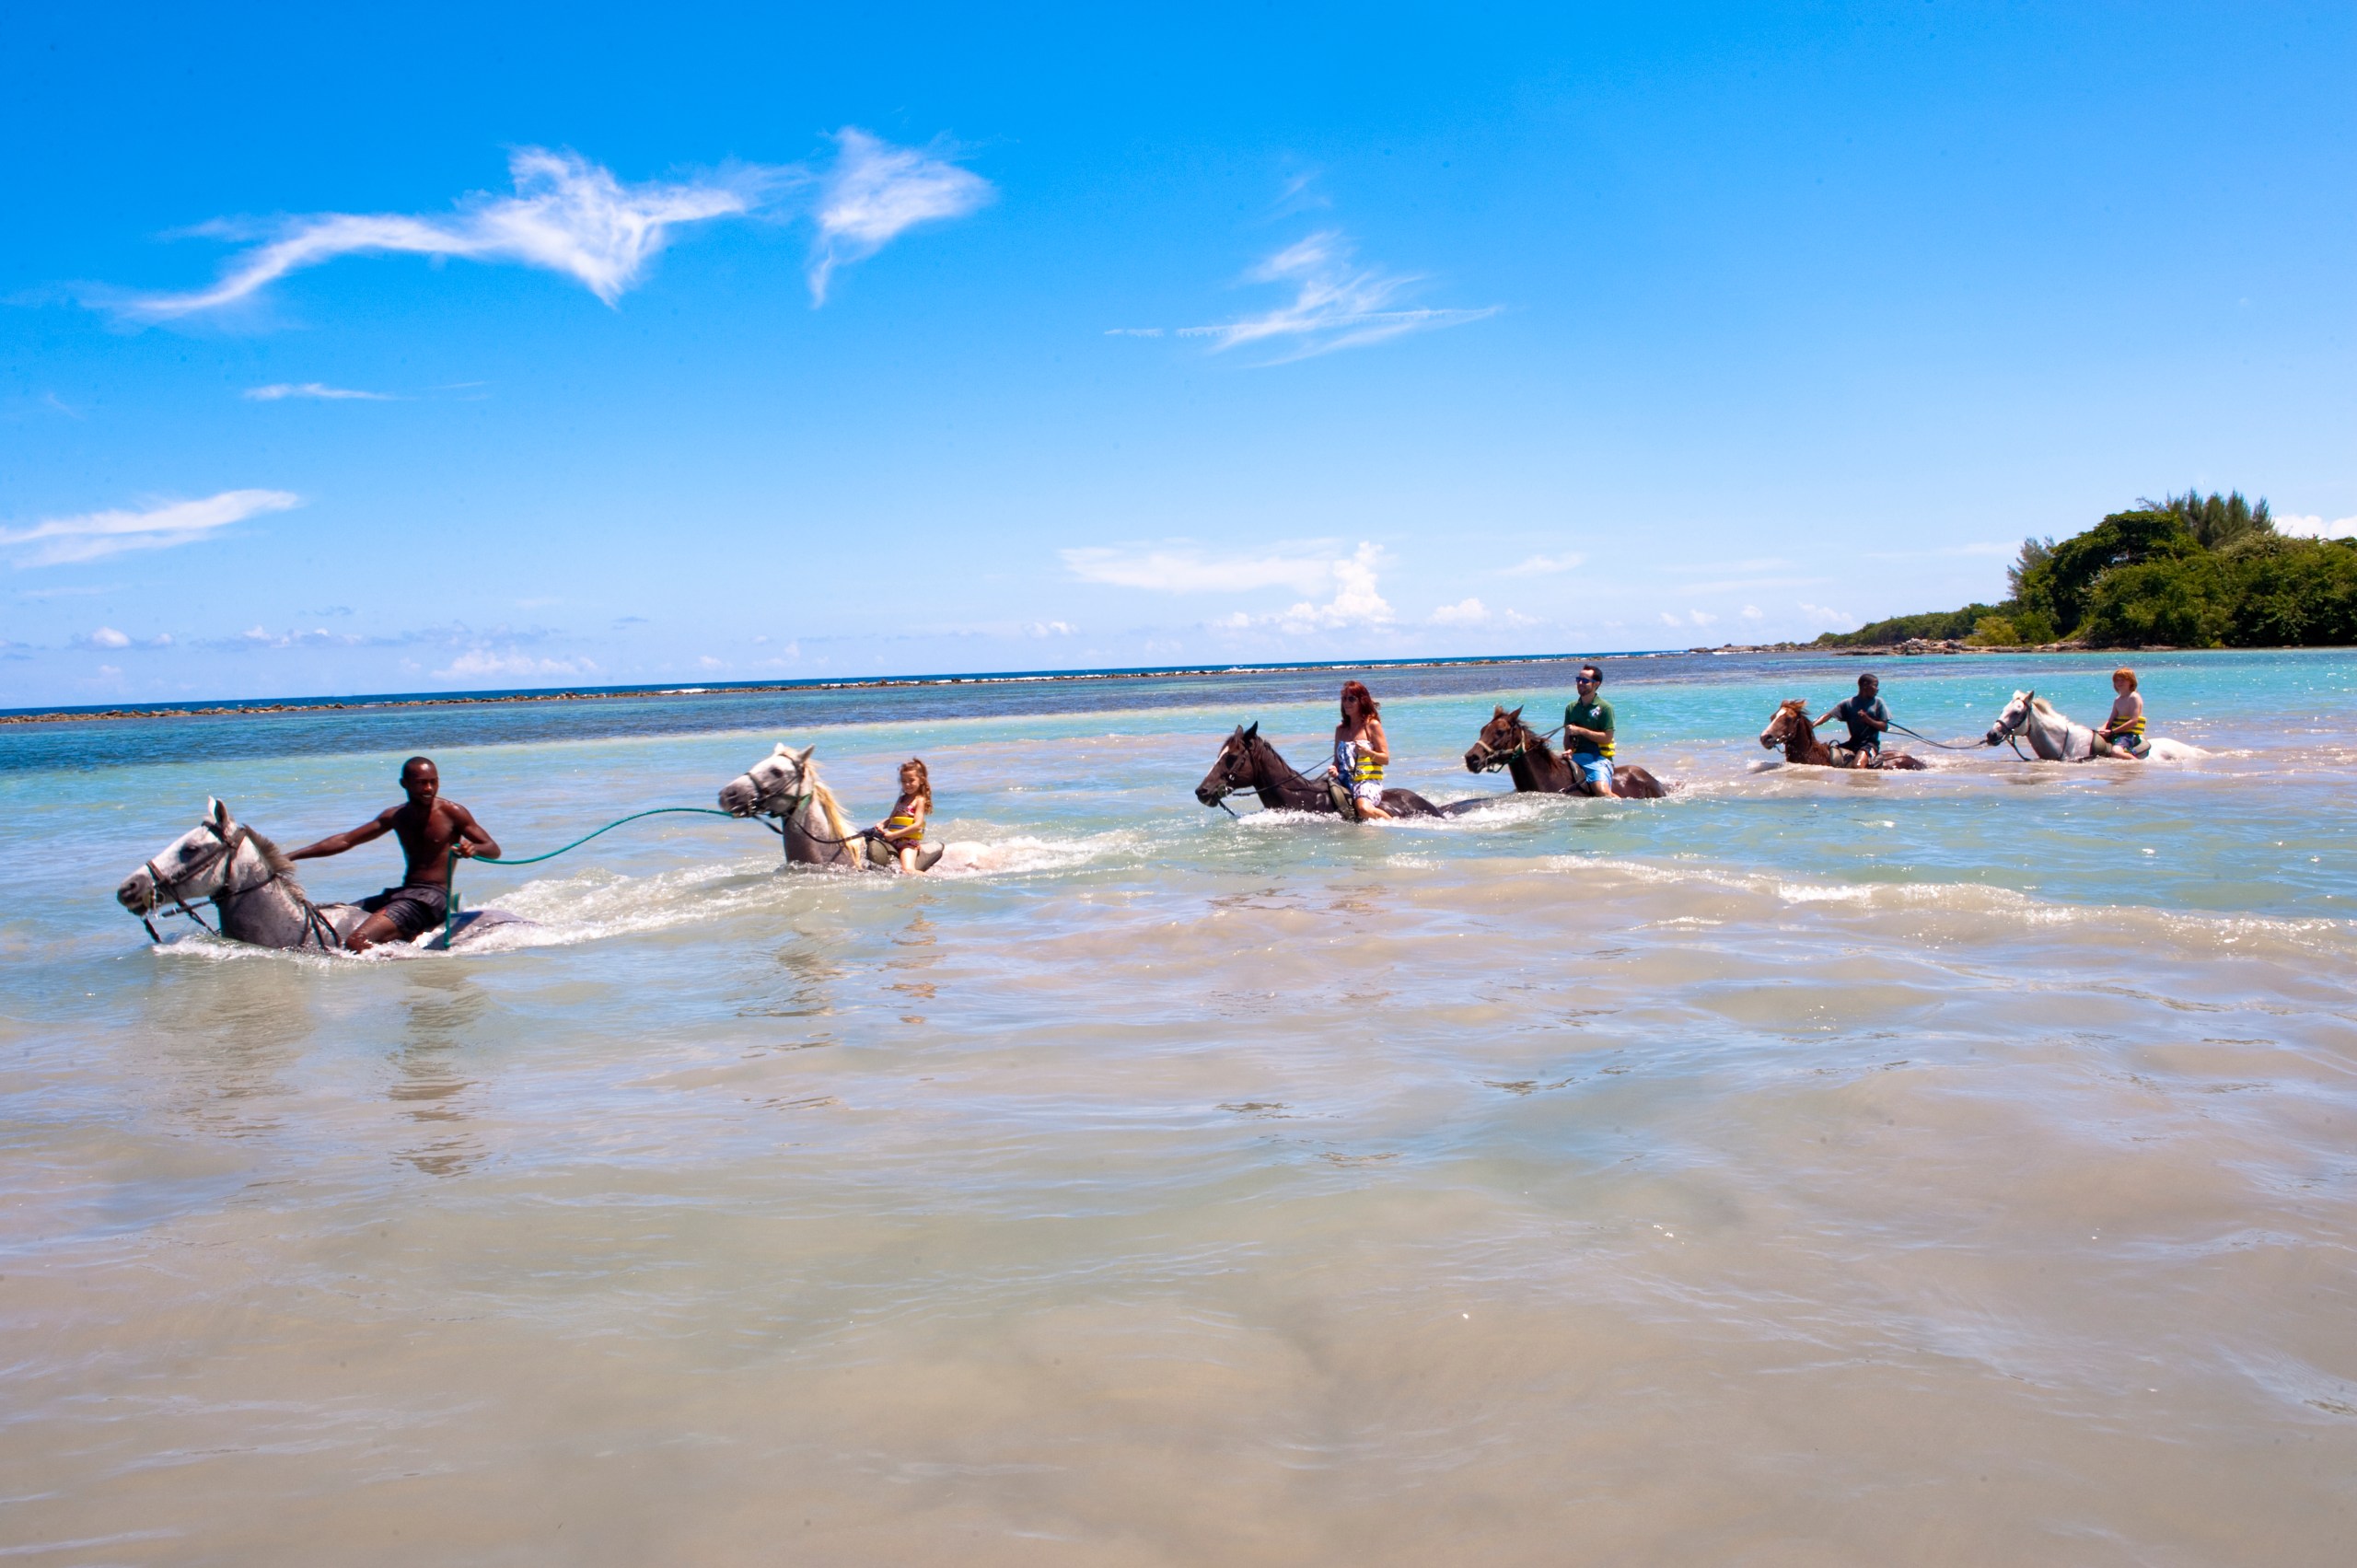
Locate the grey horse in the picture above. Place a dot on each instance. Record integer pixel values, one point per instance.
(2056, 737)
(254, 894)
(786, 784)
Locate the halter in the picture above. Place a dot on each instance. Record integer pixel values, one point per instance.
(2013, 732)
(225, 848)
(1524, 737)
(1227, 789)
(795, 803)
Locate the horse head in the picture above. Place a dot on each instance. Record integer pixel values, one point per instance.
(1500, 742)
(1790, 718)
(2010, 722)
(771, 786)
(1235, 768)
(193, 866)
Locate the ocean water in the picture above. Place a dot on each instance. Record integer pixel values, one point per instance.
(1955, 1167)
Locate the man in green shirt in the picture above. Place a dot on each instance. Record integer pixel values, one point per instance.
(1587, 734)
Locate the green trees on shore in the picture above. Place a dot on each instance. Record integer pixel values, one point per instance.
(2189, 571)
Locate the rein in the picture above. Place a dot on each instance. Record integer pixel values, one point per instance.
(1928, 741)
(450, 869)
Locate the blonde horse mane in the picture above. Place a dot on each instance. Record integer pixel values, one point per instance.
(824, 798)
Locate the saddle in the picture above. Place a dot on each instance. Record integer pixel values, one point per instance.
(884, 857)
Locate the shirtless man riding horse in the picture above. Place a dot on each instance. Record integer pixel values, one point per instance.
(431, 830)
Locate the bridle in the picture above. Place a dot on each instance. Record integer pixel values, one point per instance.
(1229, 759)
(766, 805)
(1494, 758)
(2012, 732)
(224, 849)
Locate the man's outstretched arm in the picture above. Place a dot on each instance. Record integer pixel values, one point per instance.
(336, 843)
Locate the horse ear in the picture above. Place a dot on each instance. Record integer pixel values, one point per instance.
(780, 751)
(1517, 714)
(803, 756)
(217, 811)
(1253, 731)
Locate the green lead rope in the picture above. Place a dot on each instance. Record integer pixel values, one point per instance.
(450, 873)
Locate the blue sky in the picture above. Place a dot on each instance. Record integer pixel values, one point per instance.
(437, 350)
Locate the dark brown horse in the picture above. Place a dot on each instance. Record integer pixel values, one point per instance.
(1247, 762)
(1507, 742)
(1791, 729)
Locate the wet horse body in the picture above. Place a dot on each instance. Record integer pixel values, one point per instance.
(1536, 769)
(253, 890)
(786, 786)
(1791, 729)
(1245, 760)
(2056, 737)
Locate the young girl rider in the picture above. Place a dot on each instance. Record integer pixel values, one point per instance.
(903, 831)
(1361, 753)
(2126, 730)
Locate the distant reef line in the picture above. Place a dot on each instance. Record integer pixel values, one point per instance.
(231, 709)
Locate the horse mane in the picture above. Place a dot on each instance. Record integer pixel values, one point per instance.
(1793, 705)
(281, 867)
(275, 858)
(824, 798)
(2040, 703)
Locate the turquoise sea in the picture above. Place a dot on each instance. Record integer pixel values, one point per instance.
(1957, 1167)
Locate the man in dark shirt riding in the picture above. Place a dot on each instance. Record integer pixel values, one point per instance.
(1867, 717)
(431, 830)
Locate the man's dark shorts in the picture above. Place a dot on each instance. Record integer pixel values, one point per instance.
(414, 909)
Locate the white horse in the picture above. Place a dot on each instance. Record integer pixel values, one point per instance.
(786, 784)
(2058, 737)
(254, 894)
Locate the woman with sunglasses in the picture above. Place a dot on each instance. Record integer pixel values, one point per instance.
(1361, 753)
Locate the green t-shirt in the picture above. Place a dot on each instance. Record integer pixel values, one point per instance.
(1594, 713)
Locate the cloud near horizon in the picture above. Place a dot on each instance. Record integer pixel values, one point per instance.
(574, 217)
(94, 535)
(1181, 568)
(2316, 527)
(1337, 305)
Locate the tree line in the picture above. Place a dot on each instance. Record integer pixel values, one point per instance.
(2189, 572)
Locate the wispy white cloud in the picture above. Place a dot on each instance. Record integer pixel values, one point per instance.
(1817, 613)
(1732, 584)
(277, 390)
(1998, 548)
(567, 216)
(1337, 303)
(874, 192)
(1181, 568)
(1546, 565)
(1693, 618)
(107, 637)
(1051, 629)
(92, 535)
(1751, 613)
(2316, 527)
(574, 217)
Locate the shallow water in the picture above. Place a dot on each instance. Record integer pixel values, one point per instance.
(1810, 1167)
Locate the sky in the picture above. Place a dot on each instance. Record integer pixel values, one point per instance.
(461, 348)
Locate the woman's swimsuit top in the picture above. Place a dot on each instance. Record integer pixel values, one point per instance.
(900, 825)
(1356, 766)
(2134, 727)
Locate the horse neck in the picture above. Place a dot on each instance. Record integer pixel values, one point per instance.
(268, 909)
(1801, 744)
(1535, 766)
(1274, 780)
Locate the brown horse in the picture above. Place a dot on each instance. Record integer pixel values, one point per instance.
(1791, 729)
(1507, 742)
(1247, 762)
